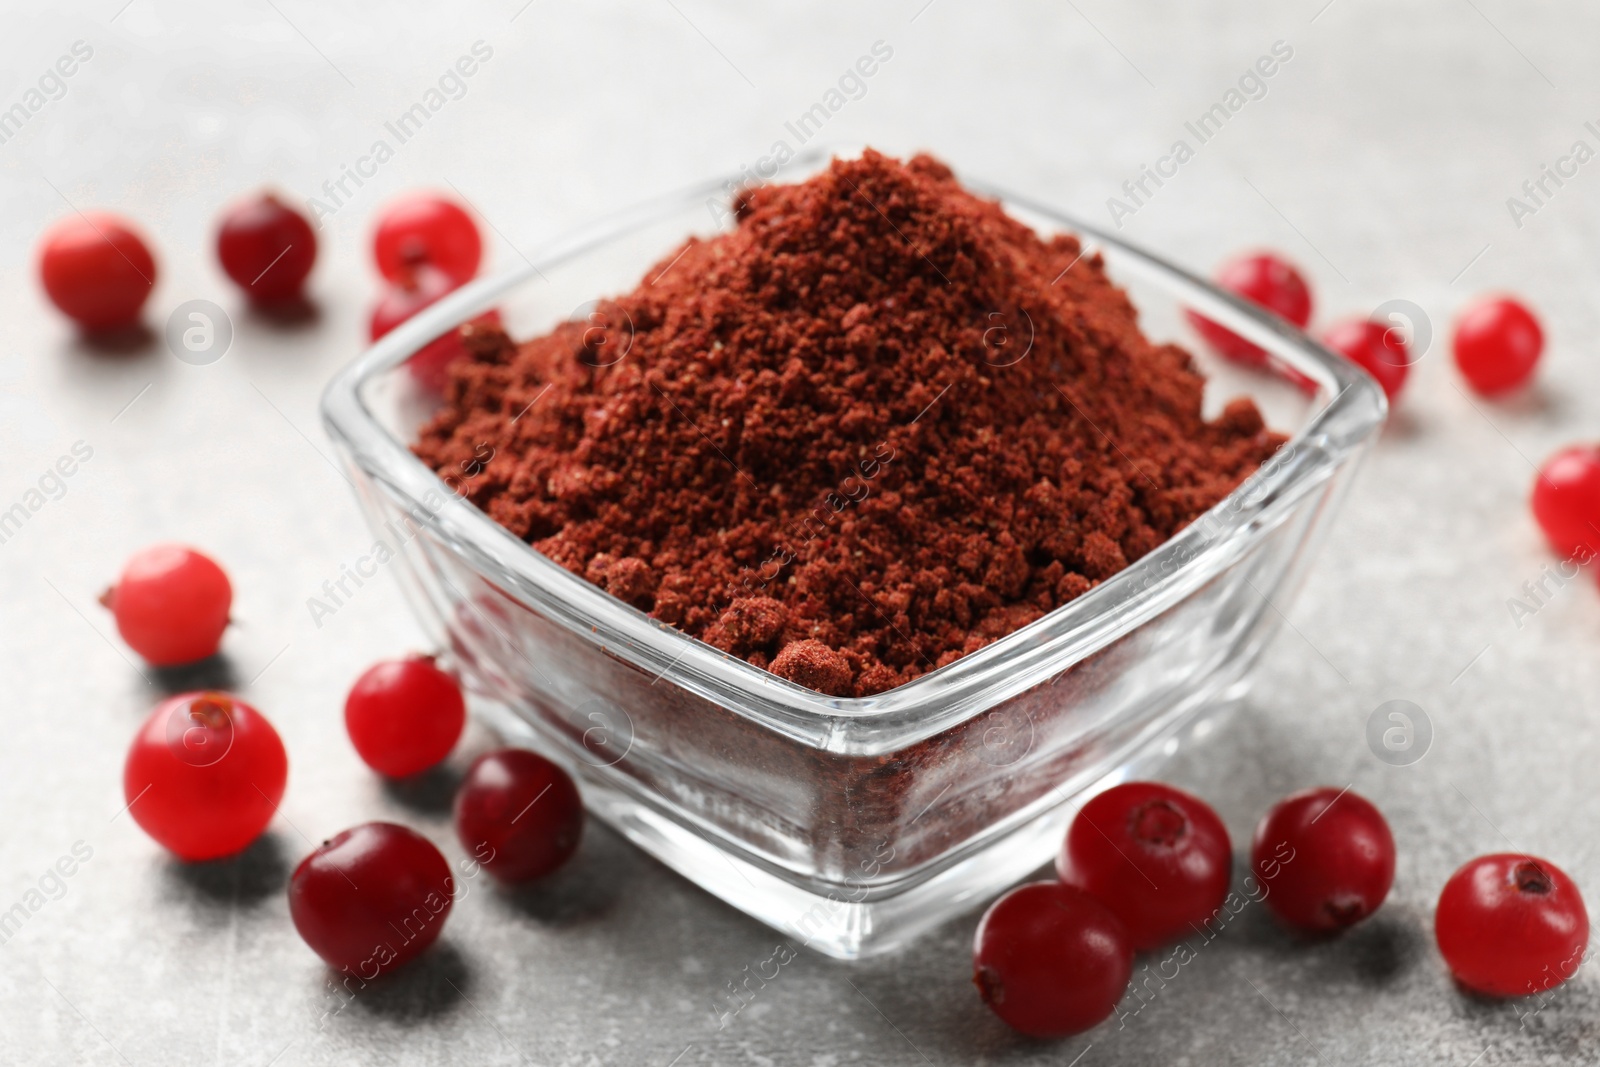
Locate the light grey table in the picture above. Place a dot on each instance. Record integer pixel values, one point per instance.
(1381, 156)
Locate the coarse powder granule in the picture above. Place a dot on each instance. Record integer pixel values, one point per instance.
(870, 431)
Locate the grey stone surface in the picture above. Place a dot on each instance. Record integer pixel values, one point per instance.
(1381, 157)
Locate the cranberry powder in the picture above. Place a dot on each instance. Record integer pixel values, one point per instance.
(875, 428)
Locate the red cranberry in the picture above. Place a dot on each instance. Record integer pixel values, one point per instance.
(1050, 960)
(518, 814)
(372, 898)
(404, 715)
(171, 604)
(1325, 859)
(204, 775)
(430, 364)
(1497, 345)
(97, 270)
(1375, 348)
(1265, 279)
(1566, 500)
(414, 291)
(423, 228)
(1509, 925)
(267, 248)
(1159, 858)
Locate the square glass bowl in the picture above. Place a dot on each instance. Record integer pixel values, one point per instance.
(848, 824)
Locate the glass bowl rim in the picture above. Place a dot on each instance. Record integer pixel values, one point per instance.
(1352, 409)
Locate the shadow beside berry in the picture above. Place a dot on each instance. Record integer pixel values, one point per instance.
(244, 879)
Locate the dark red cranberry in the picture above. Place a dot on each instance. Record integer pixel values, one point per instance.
(1050, 960)
(267, 248)
(518, 814)
(1325, 859)
(1159, 858)
(372, 898)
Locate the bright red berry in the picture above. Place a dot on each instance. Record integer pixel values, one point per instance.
(267, 248)
(1566, 501)
(404, 715)
(1325, 859)
(1497, 345)
(1050, 959)
(426, 229)
(420, 288)
(1268, 280)
(171, 604)
(1159, 858)
(372, 898)
(518, 814)
(97, 269)
(1509, 925)
(415, 291)
(204, 775)
(1375, 348)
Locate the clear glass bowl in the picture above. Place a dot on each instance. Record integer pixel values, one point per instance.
(849, 824)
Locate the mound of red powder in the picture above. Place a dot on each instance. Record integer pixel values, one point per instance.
(868, 432)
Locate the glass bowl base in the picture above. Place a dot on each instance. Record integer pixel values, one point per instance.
(853, 922)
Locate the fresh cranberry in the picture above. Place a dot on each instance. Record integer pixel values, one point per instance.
(1158, 857)
(1325, 859)
(423, 228)
(267, 248)
(1497, 345)
(1566, 500)
(415, 290)
(97, 269)
(1375, 348)
(171, 604)
(372, 898)
(518, 814)
(1265, 279)
(421, 287)
(1509, 925)
(204, 775)
(1050, 959)
(404, 715)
